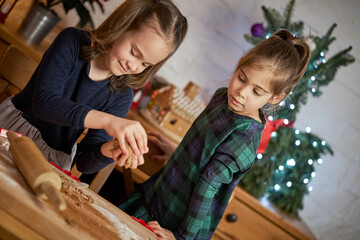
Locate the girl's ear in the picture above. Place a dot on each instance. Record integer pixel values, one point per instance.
(277, 98)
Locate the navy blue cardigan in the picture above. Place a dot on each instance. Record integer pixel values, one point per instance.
(60, 94)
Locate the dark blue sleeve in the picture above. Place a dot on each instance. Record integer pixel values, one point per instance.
(52, 77)
(89, 158)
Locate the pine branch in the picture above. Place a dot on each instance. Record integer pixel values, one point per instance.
(274, 19)
(288, 13)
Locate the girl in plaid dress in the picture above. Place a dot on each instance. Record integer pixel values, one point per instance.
(188, 196)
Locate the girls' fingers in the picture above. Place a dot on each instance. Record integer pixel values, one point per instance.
(133, 145)
(121, 160)
(134, 162)
(159, 233)
(158, 136)
(116, 153)
(156, 141)
(141, 139)
(159, 158)
(153, 224)
(124, 153)
(141, 160)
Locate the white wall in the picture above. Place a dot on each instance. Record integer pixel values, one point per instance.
(214, 44)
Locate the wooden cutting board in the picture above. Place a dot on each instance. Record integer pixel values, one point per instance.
(87, 216)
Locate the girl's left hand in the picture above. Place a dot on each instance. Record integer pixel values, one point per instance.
(162, 233)
(108, 150)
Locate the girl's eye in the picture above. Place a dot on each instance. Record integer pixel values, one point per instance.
(132, 52)
(241, 79)
(144, 65)
(256, 92)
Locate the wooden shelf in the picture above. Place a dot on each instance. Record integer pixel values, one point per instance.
(9, 32)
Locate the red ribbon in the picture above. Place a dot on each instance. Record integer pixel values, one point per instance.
(66, 172)
(271, 126)
(143, 223)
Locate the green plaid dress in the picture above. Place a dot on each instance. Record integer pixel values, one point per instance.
(190, 193)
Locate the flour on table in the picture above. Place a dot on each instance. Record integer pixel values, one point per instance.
(123, 230)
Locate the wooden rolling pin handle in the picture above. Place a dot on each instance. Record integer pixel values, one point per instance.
(53, 195)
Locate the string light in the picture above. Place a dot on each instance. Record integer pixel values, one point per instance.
(315, 143)
(323, 143)
(308, 129)
(313, 174)
(273, 134)
(319, 161)
(289, 184)
(292, 106)
(312, 78)
(322, 54)
(271, 118)
(310, 162)
(297, 131)
(310, 189)
(281, 167)
(259, 156)
(306, 180)
(291, 162)
(297, 142)
(277, 187)
(286, 122)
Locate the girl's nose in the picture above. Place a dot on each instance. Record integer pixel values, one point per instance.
(132, 66)
(242, 93)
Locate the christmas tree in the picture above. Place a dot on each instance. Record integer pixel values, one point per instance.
(286, 156)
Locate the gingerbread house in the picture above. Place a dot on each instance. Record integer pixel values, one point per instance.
(174, 109)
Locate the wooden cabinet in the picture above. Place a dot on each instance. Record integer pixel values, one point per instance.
(255, 221)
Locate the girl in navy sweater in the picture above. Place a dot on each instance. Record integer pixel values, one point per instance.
(86, 80)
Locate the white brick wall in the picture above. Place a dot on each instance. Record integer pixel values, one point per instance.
(215, 43)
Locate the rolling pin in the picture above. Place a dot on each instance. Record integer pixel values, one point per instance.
(36, 170)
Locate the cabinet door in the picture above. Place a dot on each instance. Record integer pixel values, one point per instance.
(249, 224)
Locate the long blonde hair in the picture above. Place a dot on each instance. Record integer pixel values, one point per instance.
(131, 15)
(285, 56)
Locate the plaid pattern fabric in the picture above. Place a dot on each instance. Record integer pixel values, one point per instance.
(189, 195)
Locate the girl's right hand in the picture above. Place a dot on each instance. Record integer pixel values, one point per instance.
(123, 130)
(162, 233)
(111, 149)
(164, 144)
(132, 132)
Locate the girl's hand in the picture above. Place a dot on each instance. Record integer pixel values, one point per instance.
(164, 144)
(111, 149)
(162, 233)
(123, 130)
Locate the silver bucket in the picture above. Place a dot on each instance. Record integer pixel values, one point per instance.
(37, 24)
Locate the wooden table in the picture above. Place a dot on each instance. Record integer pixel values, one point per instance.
(88, 216)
